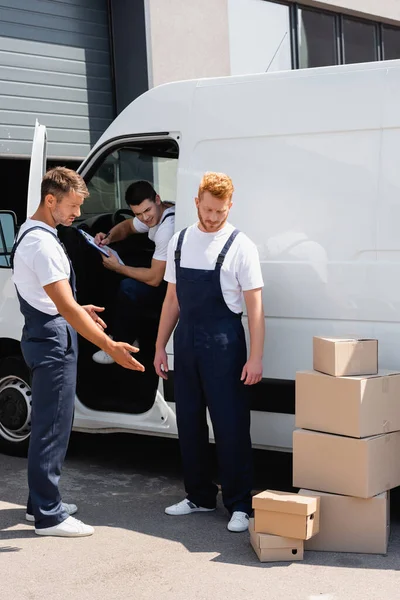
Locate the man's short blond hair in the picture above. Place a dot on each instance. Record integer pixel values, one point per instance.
(61, 181)
(218, 184)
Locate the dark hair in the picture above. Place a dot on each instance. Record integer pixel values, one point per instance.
(139, 191)
(60, 181)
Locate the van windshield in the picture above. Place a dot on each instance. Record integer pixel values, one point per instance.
(155, 161)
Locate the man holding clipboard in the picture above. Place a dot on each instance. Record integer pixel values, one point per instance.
(142, 288)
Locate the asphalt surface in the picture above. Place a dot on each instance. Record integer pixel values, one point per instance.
(122, 484)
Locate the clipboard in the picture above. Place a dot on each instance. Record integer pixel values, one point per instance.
(106, 251)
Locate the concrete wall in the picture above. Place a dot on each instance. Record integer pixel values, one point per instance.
(190, 39)
(259, 36)
(187, 39)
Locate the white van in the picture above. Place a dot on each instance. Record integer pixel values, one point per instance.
(314, 157)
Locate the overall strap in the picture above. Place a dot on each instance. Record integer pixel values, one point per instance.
(17, 242)
(179, 247)
(165, 217)
(224, 251)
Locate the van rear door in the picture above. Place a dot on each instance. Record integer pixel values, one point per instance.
(37, 168)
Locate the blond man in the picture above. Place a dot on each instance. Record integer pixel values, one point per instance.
(45, 282)
(211, 266)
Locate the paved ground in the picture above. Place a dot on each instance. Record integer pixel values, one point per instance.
(122, 484)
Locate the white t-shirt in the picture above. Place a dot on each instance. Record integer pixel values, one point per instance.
(160, 234)
(241, 269)
(39, 260)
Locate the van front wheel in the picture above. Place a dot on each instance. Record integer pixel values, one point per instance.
(15, 406)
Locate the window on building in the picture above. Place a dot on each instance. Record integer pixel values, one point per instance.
(316, 38)
(391, 43)
(360, 41)
(264, 34)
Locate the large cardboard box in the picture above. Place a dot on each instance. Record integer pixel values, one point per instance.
(285, 514)
(345, 356)
(273, 548)
(359, 406)
(342, 465)
(351, 524)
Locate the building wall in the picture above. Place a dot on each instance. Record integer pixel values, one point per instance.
(190, 39)
(259, 37)
(187, 39)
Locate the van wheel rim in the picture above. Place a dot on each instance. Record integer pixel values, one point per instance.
(15, 409)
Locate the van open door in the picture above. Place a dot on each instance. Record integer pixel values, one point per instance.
(37, 168)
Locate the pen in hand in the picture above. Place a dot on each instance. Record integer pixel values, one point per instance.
(102, 242)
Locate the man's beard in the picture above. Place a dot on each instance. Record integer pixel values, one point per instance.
(207, 227)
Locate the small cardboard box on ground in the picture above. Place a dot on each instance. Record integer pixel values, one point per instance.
(273, 548)
(351, 524)
(358, 406)
(342, 465)
(342, 357)
(285, 514)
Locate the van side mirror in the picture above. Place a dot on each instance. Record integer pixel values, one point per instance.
(8, 228)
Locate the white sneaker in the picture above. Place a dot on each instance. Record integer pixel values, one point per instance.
(71, 509)
(239, 521)
(71, 527)
(102, 358)
(185, 507)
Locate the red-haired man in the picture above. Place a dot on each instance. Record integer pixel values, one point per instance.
(211, 266)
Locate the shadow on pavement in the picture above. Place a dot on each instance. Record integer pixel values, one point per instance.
(126, 481)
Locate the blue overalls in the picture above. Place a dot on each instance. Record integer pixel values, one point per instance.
(135, 299)
(50, 349)
(209, 355)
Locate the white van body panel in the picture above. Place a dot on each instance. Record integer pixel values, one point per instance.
(313, 155)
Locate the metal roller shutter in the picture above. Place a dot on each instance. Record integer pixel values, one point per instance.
(54, 66)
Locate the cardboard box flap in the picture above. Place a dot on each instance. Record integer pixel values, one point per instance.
(350, 441)
(303, 492)
(285, 502)
(380, 373)
(345, 340)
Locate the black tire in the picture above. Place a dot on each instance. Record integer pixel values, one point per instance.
(14, 366)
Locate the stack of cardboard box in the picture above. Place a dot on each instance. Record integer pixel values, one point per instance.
(281, 523)
(346, 450)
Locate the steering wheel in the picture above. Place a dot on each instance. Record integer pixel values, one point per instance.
(118, 216)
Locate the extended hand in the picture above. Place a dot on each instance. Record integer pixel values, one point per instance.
(161, 363)
(121, 353)
(252, 371)
(92, 312)
(110, 262)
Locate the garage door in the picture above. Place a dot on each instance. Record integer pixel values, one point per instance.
(54, 66)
